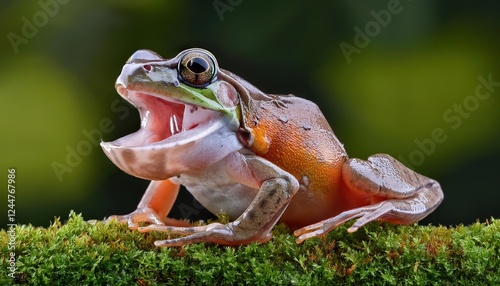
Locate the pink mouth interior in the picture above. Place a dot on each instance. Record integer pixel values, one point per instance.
(164, 119)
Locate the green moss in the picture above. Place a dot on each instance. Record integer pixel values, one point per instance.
(78, 253)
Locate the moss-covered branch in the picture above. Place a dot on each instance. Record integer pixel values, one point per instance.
(78, 253)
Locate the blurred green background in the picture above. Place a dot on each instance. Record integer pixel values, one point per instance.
(392, 77)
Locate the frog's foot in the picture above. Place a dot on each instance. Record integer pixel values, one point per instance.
(215, 232)
(401, 211)
(366, 214)
(407, 196)
(146, 215)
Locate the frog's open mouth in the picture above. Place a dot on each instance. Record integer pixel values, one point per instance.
(174, 137)
(166, 121)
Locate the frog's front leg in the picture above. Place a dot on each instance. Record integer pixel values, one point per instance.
(154, 206)
(277, 188)
(396, 193)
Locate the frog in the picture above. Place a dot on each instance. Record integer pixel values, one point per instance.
(258, 158)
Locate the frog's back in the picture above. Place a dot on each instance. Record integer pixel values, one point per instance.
(293, 133)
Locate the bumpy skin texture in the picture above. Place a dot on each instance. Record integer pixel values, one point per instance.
(396, 193)
(293, 134)
(261, 158)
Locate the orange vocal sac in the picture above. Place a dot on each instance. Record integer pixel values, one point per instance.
(261, 142)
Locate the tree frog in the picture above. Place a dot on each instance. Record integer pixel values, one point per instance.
(259, 158)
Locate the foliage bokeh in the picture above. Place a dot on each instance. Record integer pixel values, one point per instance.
(57, 88)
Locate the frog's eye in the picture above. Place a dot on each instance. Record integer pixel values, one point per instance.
(197, 68)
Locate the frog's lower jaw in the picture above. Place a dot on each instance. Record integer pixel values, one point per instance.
(173, 138)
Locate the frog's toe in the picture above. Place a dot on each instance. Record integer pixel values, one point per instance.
(169, 229)
(121, 219)
(181, 241)
(323, 227)
(208, 233)
(214, 233)
(363, 214)
(308, 235)
(180, 230)
(310, 231)
(140, 215)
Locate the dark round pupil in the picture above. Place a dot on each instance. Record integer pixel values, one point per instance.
(197, 65)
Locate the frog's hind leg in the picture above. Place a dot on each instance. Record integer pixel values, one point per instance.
(397, 195)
